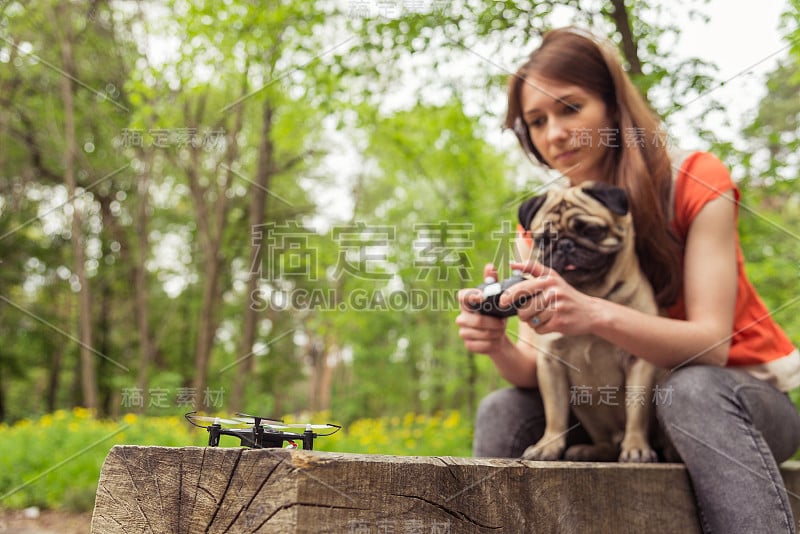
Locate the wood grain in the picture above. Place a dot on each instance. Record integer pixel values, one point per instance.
(192, 490)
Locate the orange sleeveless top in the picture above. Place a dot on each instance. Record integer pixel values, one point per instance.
(758, 345)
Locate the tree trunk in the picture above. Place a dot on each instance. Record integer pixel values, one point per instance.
(211, 221)
(88, 379)
(56, 363)
(208, 323)
(330, 361)
(140, 287)
(258, 200)
(105, 400)
(2, 395)
(317, 356)
(54, 372)
(209, 244)
(630, 48)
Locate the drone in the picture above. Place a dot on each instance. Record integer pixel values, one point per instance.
(260, 432)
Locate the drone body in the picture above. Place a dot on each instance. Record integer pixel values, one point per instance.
(259, 432)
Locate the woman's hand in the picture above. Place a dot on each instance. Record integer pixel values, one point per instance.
(485, 334)
(553, 305)
(481, 333)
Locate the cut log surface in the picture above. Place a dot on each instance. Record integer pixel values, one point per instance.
(189, 490)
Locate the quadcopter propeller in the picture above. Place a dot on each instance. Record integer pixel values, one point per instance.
(307, 426)
(262, 421)
(192, 417)
(276, 423)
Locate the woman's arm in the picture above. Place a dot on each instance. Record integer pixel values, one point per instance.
(515, 361)
(709, 293)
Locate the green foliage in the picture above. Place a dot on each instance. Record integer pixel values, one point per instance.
(440, 434)
(54, 461)
(373, 127)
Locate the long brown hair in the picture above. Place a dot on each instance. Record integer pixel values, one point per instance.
(639, 163)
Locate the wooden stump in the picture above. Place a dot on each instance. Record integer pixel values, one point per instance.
(190, 490)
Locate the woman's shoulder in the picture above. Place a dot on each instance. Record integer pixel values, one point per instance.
(697, 161)
(700, 172)
(700, 177)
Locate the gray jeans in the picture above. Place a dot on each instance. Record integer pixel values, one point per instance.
(730, 429)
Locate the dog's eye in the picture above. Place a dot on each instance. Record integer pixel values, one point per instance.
(595, 233)
(590, 231)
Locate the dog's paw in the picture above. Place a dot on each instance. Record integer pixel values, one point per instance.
(636, 449)
(603, 452)
(544, 451)
(638, 455)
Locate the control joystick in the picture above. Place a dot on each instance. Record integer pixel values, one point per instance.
(492, 289)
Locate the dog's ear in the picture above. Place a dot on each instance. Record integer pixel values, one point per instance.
(612, 197)
(529, 208)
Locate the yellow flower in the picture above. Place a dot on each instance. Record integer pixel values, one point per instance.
(408, 420)
(453, 420)
(22, 423)
(130, 418)
(81, 413)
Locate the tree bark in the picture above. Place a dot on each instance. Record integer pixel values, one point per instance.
(209, 244)
(2, 395)
(630, 49)
(258, 201)
(211, 220)
(88, 379)
(56, 357)
(140, 287)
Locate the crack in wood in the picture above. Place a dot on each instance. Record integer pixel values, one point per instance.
(461, 516)
(127, 463)
(197, 486)
(158, 486)
(109, 518)
(180, 490)
(225, 491)
(255, 494)
(449, 468)
(307, 504)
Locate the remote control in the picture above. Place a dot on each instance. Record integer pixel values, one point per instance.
(492, 289)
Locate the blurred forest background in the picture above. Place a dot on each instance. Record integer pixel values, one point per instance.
(269, 206)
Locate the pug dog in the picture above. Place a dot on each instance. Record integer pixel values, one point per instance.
(585, 233)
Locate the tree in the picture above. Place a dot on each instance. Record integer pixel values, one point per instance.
(55, 127)
(224, 156)
(88, 376)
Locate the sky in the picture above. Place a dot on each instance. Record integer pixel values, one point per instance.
(744, 41)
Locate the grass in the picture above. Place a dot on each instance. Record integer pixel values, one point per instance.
(54, 462)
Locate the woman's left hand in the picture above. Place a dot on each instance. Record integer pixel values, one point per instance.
(554, 305)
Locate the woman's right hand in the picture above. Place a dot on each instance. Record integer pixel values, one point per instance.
(483, 334)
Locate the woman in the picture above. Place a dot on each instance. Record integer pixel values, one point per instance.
(728, 416)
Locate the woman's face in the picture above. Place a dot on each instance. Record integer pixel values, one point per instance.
(569, 126)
